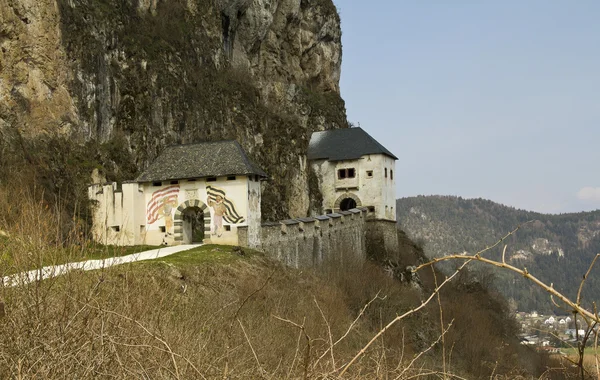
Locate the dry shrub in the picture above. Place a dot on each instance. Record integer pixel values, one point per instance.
(248, 317)
(34, 232)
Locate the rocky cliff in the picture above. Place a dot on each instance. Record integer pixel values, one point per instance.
(133, 76)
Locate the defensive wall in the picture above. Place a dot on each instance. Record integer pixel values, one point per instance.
(337, 237)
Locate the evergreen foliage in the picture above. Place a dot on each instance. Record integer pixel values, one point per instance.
(557, 249)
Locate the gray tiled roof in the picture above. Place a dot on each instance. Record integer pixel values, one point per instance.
(344, 144)
(206, 159)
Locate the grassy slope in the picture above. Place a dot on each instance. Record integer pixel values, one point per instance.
(10, 263)
(211, 310)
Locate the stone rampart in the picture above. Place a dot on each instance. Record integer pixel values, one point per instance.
(382, 239)
(310, 242)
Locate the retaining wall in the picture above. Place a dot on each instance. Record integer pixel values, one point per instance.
(382, 239)
(309, 242)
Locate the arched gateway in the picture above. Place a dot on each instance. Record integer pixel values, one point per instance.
(192, 221)
(346, 202)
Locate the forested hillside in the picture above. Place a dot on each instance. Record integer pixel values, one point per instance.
(557, 249)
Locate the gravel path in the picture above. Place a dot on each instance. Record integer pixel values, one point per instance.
(24, 278)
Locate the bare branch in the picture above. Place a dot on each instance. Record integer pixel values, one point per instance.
(585, 276)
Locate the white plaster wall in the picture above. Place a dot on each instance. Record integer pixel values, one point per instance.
(235, 190)
(110, 215)
(377, 191)
(254, 212)
(389, 189)
(127, 211)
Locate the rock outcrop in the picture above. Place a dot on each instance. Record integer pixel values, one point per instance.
(152, 73)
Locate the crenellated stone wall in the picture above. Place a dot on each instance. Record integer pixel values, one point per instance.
(311, 242)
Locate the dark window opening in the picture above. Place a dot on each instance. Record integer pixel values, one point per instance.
(371, 208)
(192, 180)
(158, 183)
(369, 173)
(231, 178)
(347, 204)
(211, 179)
(385, 171)
(391, 174)
(227, 228)
(256, 178)
(163, 229)
(116, 228)
(174, 182)
(346, 173)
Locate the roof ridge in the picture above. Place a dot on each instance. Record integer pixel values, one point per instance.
(198, 143)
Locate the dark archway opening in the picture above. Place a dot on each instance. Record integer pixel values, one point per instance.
(193, 225)
(347, 203)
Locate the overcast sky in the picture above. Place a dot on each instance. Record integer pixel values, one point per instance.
(499, 100)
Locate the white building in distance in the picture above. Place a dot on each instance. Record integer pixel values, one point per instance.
(353, 170)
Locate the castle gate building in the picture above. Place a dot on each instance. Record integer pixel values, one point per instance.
(191, 193)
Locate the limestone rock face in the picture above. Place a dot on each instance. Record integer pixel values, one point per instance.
(155, 73)
(34, 88)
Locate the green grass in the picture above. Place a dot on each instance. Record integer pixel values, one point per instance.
(210, 253)
(57, 256)
(94, 252)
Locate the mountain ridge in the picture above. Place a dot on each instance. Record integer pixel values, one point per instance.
(557, 248)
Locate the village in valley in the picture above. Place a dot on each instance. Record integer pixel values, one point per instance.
(551, 333)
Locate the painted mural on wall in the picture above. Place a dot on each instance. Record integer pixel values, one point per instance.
(223, 209)
(161, 205)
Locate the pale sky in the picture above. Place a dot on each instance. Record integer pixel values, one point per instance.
(491, 99)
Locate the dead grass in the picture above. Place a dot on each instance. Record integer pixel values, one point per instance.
(210, 312)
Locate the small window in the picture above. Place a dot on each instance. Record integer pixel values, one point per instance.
(369, 173)
(346, 173)
(211, 179)
(371, 208)
(256, 178)
(163, 229)
(192, 180)
(116, 228)
(174, 182)
(231, 178)
(227, 228)
(158, 183)
(385, 172)
(391, 174)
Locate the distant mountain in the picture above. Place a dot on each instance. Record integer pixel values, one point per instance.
(557, 249)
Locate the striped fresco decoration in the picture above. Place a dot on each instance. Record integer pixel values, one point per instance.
(232, 215)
